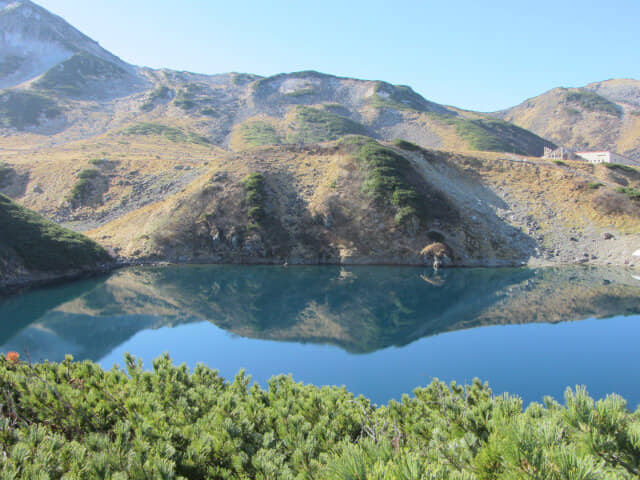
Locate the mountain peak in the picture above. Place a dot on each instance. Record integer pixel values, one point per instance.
(24, 8)
(33, 40)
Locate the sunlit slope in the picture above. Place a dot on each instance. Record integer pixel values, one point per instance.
(87, 183)
(157, 161)
(358, 201)
(600, 116)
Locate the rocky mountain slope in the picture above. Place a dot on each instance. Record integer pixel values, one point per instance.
(358, 201)
(33, 41)
(600, 116)
(38, 46)
(33, 249)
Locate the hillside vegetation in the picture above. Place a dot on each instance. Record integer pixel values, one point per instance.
(6, 173)
(30, 244)
(85, 75)
(171, 133)
(171, 423)
(495, 136)
(313, 126)
(593, 102)
(301, 107)
(257, 134)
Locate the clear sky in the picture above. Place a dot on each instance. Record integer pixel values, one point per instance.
(481, 55)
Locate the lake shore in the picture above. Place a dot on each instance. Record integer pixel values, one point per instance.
(614, 253)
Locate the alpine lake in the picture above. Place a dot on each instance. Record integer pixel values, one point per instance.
(379, 331)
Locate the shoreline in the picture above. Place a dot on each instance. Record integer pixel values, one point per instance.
(35, 281)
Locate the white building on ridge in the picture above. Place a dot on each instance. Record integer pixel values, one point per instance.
(606, 157)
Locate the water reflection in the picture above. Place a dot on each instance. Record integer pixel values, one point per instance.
(361, 309)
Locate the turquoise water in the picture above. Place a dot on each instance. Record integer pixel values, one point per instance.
(380, 331)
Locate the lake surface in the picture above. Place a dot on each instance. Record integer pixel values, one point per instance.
(380, 331)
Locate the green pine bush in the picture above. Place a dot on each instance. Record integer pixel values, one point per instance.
(75, 420)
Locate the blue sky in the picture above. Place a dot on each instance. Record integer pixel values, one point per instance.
(477, 55)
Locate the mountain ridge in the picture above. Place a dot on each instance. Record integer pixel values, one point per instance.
(71, 70)
(34, 40)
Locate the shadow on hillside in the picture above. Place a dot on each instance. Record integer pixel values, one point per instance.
(14, 185)
(285, 239)
(487, 236)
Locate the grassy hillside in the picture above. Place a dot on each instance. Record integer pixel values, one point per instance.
(301, 107)
(316, 199)
(170, 133)
(163, 147)
(6, 173)
(593, 102)
(360, 201)
(400, 97)
(76, 76)
(132, 170)
(353, 200)
(491, 135)
(313, 125)
(39, 245)
(255, 133)
(318, 204)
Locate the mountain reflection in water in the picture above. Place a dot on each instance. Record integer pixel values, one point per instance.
(359, 309)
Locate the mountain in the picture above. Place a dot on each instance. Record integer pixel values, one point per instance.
(33, 42)
(57, 74)
(156, 163)
(353, 201)
(600, 116)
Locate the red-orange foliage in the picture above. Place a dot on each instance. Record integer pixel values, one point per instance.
(13, 357)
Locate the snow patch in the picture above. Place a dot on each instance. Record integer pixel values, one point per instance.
(292, 85)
